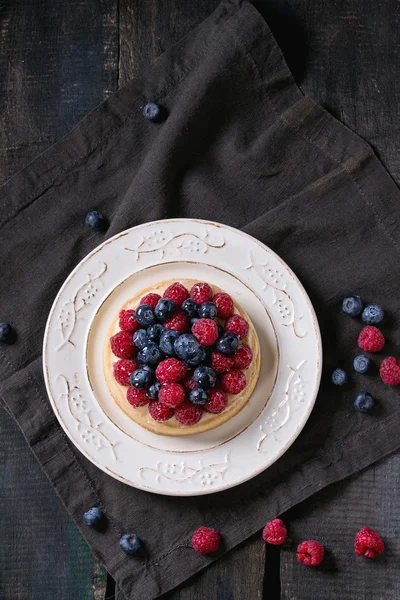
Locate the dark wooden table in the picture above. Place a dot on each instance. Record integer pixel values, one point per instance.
(58, 60)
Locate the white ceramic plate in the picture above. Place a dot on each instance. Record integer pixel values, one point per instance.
(290, 351)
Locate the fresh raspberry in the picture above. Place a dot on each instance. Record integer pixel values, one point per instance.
(242, 357)
(390, 371)
(122, 370)
(206, 540)
(201, 292)
(275, 532)
(189, 382)
(233, 382)
(236, 324)
(188, 413)
(179, 322)
(224, 304)
(127, 321)
(310, 553)
(206, 331)
(176, 292)
(122, 345)
(368, 543)
(170, 370)
(160, 412)
(151, 300)
(136, 397)
(216, 403)
(221, 363)
(371, 339)
(171, 394)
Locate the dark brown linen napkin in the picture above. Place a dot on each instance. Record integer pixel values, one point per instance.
(243, 146)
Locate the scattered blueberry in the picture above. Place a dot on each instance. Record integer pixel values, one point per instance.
(339, 377)
(352, 306)
(364, 402)
(141, 378)
(144, 315)
(187, 347)
(228, 343)
(96, 221)
(372, 314)
(205, 377)
(200, 358)
(151, 111)
(140, 338)
(165, 309)
(198, 396)
(189, 307)
(131, 543)
(93, 516)
(154, 390)
(167, 340)
(5, 332)
(361, 363)
(154, 332)
(207, 310)
(149, 355)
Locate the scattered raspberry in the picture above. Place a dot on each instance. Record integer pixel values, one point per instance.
(201, 292)
(136, 397)
(206, 331)
(390, 371)
(368, 543)
(224, 304)
(310, 553)
(206, 540)
(170, 370)
(180, 322)
(221, 363)
(122, 370)
(371, 339)
(242, 357)
(171, 394)
(236, 324)
(150, 299)
(233, 382)
(127, 321)
(188, 414)
(160, 412)
(275, 532)
(176, 292)
(189, 382)
(216, 403)
(122, 345)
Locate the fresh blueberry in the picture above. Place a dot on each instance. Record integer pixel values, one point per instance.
(154, 332)
(200, 358)
(352, 306)
(154, 390)
(149, 355)
(205, 377)
(189, 307)
(167, 340)
(198, 396)
(361, 363)
(141, 378)
(5, 332)
(151, 111)
(339, 377)
(165, 309)
(144, 315)
(364, 402)
(228, 343)
(131, 543)
(140, 338)
(187, 347)
(207, 310)
(96, 221)
(93, 516)
(372, 314)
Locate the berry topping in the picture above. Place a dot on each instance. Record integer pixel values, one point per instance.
(205, 377)
(160, 412)
(122, 345)
(221, 363)
(93, 516)
(368, 543)
(149, 355)
(224, 304)
(372, 314)
(176, 292)
(371, 339)
(242, 357)
(140, 338)
(165, 309)
(275, 532)
(364, 402)
(228, 343)
(5, 332)
(131, 543)
(188, 414)
(179, 322)
(217, 402)
(206, 540)
(188, 348)
(154, 332)
(310, 553)
(207, 310)
(352, 306)
(339, 377)
(201, 292)
(96, 221)
(136, 397)
(198, 396)
(189, 382)
(206, 331)
(141, 378)
(170, 370)
(236, 324)
(167, 339)
(123, 369)
(390, 371)
(362, 364)
(127, 321)
(144, 315)
(189, 307)
(233, 382)
(154, 390)
(171, 394)
(150, 299)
